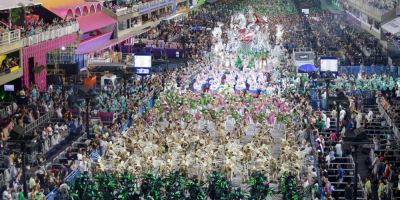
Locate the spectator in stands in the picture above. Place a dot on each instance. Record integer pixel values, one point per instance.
(343, 130)
(338, 147)
(342, 114)
(332, 138)
(397, 92)
(367, 188)
(40, 174)
(340, 174)
(387, 171)
(369, 117)
(6, 193)
(330, 157)
(328, 187)
(32, 183)
(376, 142)
(64, 191)
(69, 155)
(333, 113)
(102, 146)
(20, 194)
(348, 192)
(381, 189)
(63, 171)
(375, 165)
(389, 191)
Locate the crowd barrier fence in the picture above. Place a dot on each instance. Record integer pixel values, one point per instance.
(369, 70)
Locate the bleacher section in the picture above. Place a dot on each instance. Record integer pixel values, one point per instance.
(389, 147)
(347, 163)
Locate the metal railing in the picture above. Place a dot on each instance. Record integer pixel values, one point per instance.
(146, 7)
(9, 37)
(388, 119)
(363, 5)
(99, 60)
(40, 121)
(127, 10)
(4, 111)
(51, 34)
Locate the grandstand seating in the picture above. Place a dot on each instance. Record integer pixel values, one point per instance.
(347, 163)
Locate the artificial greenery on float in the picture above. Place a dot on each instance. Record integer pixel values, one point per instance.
(288, 187)
(259, 55)
(239, 63)
(219, 187)
(177, 186)
(259, 187)
(282, 118)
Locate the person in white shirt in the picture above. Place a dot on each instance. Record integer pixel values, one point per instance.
(343, 131)
(323, 98)
(6, 194)
(342, 114)
(359, 120)
(59, 113)
(369, 116)
(338, 148)
(327, 123)
(14, 106)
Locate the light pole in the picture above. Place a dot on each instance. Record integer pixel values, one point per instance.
(88, 94)
(353, 139)
(24, 140)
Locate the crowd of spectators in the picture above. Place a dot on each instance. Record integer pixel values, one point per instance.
(328, 148)
(33, 104)
(126, 98)
(7, 64)
(384, 5)
(115, 5)
(34, 27)
(123, 99)
(332, 35)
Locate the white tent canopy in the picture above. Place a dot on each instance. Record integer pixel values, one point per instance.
(10, 4)
(392, 26)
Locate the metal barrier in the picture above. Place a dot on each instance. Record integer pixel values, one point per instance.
(98, 60)
(127, 10)
(70, 179)
(388, 119)
(364, 5)
(315, 163)
(9, 37)
(51, 34)
(4, 113)
(42, 119)
(154, 5)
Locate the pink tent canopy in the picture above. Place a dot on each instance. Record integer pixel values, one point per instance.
(95, 21)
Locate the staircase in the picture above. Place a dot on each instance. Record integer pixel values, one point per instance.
(388, 146)
(347, 163)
